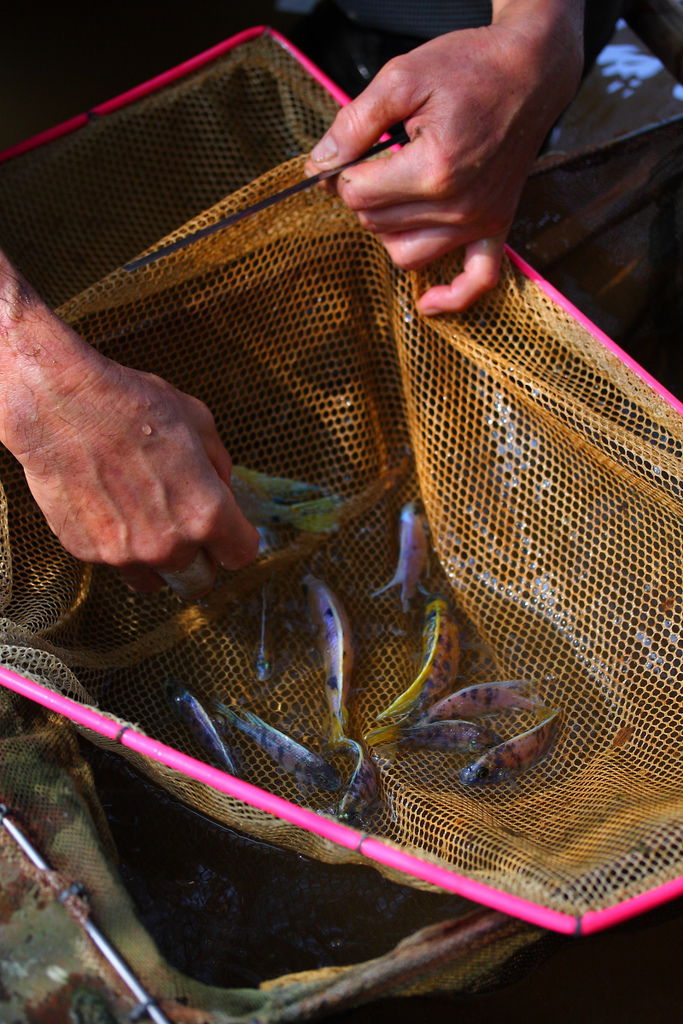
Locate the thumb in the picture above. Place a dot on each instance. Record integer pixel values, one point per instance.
(358, 126)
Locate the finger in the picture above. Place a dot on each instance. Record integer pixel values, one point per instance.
(360, 123)
(234, 543)
(417, 172)
(481, 272)
(141, 579)
(415, 216)
(220, 459)
(194, 580)
(412, 249)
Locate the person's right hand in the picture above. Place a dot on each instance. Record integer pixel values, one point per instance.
(477, 105)
(127, 470)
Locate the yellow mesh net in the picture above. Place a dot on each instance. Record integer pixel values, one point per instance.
(548, 470)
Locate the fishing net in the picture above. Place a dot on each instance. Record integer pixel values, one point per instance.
(549, 472)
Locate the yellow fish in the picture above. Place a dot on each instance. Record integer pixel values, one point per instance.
(440, 658)
(278, 501)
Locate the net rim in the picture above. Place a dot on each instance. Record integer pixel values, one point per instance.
(381, 852)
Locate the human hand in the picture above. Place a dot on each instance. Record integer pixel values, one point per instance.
(127, 470)
(477, 105)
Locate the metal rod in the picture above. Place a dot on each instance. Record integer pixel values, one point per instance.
(146, 1003)
(399, 138)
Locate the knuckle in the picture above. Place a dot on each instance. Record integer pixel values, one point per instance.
(438, 179)
(351, 195)
(202, 527)
(396, 80)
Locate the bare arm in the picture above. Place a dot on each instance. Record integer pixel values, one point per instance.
(127, 470)
(477, 105)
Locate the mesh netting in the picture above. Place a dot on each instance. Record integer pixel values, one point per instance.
(549, 473)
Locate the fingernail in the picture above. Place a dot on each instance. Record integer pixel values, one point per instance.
(324, 150)
(429, 310)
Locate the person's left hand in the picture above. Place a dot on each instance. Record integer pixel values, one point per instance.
(477, 105)
(128, 471)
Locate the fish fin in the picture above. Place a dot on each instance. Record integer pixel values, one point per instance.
(224, 711)
(280, 489)
(543, 712)
(385, 734)
(401, 706)
(320, 515)
(337, 738)
(395, 579)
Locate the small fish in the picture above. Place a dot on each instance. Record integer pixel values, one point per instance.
(361, 799)
(514, 755)
(453, 735)
(483, 699)
(264, 665)
(307, 767)
(268, 541)
(278, 501)
(190, 711)
(412, 555)
(334, 637)
(441, 654)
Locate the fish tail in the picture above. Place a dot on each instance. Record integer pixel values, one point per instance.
(401, 706)
(395, 579)
(337, 737)
(385, 734)
(320, 515)
(241, 719)
(223, 710)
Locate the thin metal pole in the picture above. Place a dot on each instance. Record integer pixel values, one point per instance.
(146, 1004)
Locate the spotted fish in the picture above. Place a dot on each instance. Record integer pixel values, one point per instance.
(483, 699)
(452, 735)
(307, 767)
(278, 501)
(515, 755)
(361, 799)
(190, 711)
(334, 638)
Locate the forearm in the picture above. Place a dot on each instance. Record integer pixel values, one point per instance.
(551, 26)
(24, 322)
(42, 360)
(567, 12)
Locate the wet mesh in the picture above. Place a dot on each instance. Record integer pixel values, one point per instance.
(548, 470)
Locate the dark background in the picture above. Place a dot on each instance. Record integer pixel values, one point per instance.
(58, 61)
